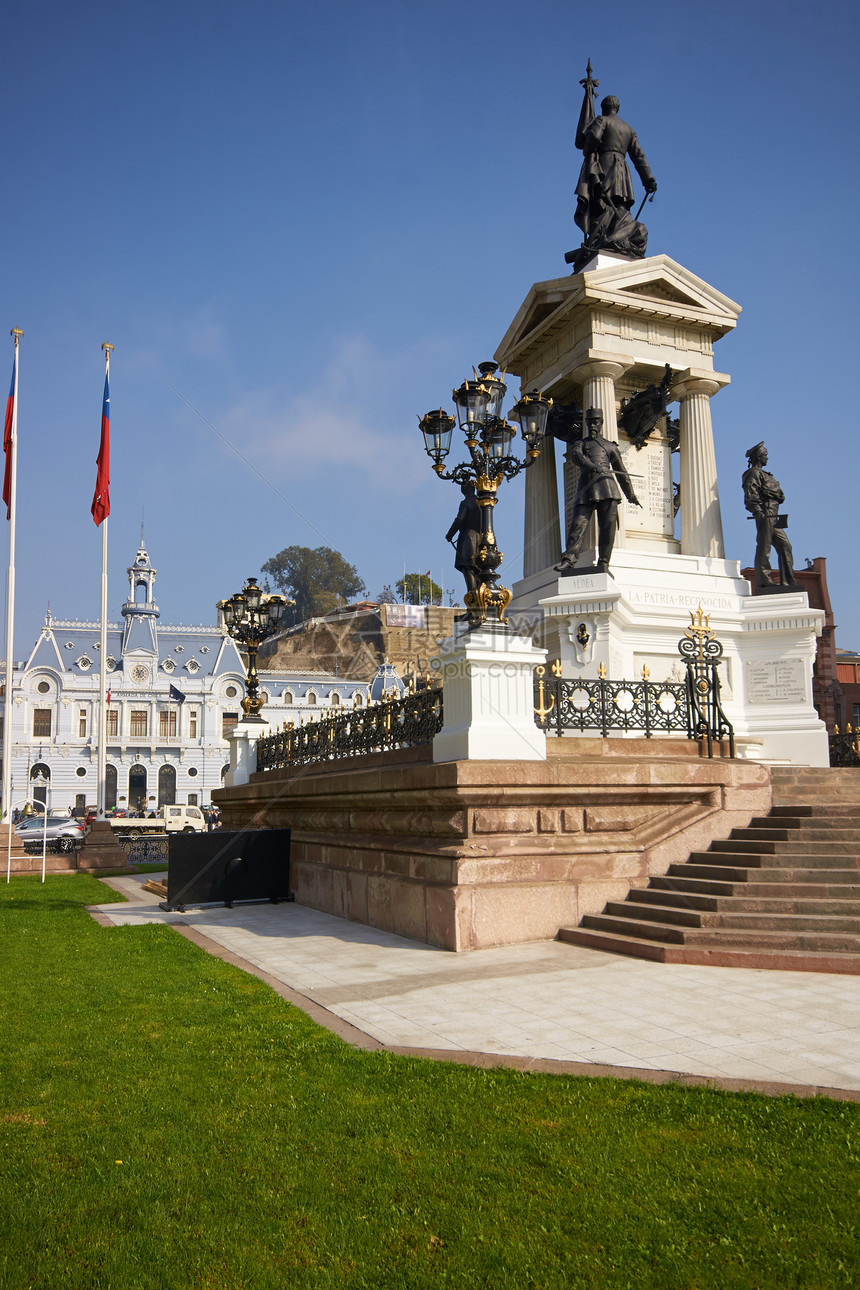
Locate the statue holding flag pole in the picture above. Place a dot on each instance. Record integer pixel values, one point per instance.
(604, 193)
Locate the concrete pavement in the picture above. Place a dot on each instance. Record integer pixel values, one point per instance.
(545, 1005)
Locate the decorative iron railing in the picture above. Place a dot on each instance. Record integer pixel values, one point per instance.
(690, 707)
(392, 723)
(607, 706)
(845, 747)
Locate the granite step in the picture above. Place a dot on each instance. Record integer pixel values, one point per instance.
(822, 801)
(731, 871)
(782, 904)
(812, 830)
(763, 957)
(741, 919)
(776, 860)
(791, 938)
(682, 884)
(797, 845)
(782, 892)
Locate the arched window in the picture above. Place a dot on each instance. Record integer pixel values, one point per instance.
(288, 697)
(334, 699)
(110, 787)
(166, 785)
(137, 787)
(40, 780)
(312, 698)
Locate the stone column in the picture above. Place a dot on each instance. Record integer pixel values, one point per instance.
(541, 534)
(701, 520)
(597, 376)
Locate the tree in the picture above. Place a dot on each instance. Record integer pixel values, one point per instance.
(419, 589)
(318, 579)
(386, 596)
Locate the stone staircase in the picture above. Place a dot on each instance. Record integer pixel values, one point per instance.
(783, 893)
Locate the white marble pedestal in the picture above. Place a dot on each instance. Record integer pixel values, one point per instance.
(634, 616)
(243, 750)
(488, 679)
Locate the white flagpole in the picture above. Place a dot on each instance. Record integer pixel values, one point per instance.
(10, 617)
(102, 748)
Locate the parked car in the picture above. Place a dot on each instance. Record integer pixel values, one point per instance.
(67, 833)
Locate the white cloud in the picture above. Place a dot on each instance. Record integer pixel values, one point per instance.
(351, 416)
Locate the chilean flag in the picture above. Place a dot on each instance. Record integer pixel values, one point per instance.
(101, 497)
(7, 439)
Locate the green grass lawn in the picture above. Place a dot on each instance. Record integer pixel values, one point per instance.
(167, 1121)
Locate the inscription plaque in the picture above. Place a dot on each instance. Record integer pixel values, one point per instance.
(650, 471)
(780, 682)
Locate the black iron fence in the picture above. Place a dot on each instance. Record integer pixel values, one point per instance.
(845, 748)
(648, 707)
(690, 707)
(605, 707)
(392, 723)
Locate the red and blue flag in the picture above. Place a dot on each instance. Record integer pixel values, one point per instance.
(7, 439)
(101, 497)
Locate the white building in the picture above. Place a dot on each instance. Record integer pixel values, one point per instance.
(174, 692)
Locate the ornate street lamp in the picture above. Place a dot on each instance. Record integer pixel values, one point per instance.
(489, 439)
(251, 616)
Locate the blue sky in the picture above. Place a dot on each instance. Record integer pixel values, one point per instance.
(310, 221)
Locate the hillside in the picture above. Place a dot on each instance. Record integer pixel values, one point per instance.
(353, 645)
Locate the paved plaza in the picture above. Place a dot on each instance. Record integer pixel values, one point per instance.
(542, 1002)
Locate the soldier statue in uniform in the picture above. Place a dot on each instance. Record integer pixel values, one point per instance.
(601, 470)
(762, 498)
(468, 525)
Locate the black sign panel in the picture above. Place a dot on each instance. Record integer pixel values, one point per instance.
(225, 866)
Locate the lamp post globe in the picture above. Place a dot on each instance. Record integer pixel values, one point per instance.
(250, 617)
(489, 439)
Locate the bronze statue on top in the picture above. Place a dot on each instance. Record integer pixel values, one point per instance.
(604, 194)
(762, 498)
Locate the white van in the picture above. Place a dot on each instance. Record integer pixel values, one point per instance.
(170, 819)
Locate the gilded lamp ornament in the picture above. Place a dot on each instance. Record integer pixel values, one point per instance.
(489, 439)
(251, 616)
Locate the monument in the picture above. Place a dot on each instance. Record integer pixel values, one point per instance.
(762, 498)
(632, 337)
(604, 193)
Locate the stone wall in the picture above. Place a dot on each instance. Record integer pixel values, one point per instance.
(470, 854)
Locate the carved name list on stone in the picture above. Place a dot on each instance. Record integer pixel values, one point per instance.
(651, 473)
(780, 682)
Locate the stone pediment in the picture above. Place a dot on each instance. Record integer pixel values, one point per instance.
(660, 291)
(657, 287)
(665, 285)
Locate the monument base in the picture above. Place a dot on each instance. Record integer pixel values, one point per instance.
(101, 849)
(469, 854)
(633, 617)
